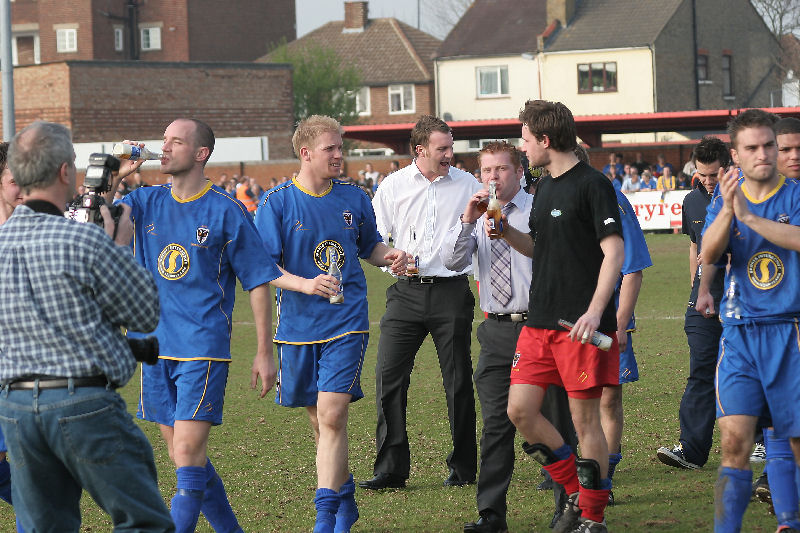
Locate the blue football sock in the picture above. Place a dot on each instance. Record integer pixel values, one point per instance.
(731, 496)
(5, 481)
(216, 507)
(563, 452)
(347, 514)
(613, 461)
(327, 503)
(188, 498)
(780, 462)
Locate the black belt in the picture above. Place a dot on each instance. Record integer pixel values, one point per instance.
(427, 280)
(47, 382)
(509, 317)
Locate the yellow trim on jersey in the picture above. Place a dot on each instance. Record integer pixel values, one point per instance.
(194, 197)
(716, 372)
(237, 203)
(202, 358)
(276, 341)
(771, 193)
(205, 388)
(320, 195)
(287, 184)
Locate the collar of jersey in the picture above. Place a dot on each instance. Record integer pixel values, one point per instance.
(769, 195)
(193, 197)
(323, 193)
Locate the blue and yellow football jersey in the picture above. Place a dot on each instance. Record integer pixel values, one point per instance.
(195, 249)
(637, 255)
(297, 228)
(764, 279)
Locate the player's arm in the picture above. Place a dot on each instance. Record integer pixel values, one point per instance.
(716, 236)
(692, 262)
(628, 295)
(264, 362)
(614, 253)
(521, 242)
(323, 285)
(705, 302)
(784, 235)
(384, 256)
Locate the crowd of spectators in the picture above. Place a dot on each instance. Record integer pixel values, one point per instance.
(640, 175)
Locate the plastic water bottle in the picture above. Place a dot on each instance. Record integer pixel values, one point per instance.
(600, 340)
(732, 309)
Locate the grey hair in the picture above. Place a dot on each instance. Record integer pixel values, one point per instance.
(37, 152)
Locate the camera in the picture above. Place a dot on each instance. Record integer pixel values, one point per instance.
(86, 207)
(144, 349)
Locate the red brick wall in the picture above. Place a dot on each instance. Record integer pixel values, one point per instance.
(137, 100)
(379, 105)
(59, 12)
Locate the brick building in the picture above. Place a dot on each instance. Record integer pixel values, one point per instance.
(395, 61)
(115, 100)
(151, 30)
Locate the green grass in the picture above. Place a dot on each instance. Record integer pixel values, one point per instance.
(265, 453)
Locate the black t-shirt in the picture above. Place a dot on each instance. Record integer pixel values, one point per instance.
(571, 214)
(694, 218)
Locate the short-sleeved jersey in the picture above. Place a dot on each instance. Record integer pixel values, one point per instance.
(195, 249)
(297, 227)
(763, 283)
(571, 214)
(693, 221)
(637, 255)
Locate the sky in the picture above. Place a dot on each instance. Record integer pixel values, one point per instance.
(311, 14)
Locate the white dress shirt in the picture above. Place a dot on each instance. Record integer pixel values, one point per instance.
(463, 239)
(407, 198)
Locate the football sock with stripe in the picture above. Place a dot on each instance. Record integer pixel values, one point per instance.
(188, 498)
(216, 507)
(731, 496)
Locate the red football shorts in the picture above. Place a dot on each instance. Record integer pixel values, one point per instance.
(546, 356)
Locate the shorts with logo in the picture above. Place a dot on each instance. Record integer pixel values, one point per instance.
(628, 369)
(183, 390)
(758, 373)
(330, 366)
(546, 356)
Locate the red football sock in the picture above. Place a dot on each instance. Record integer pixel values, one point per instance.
(565, 473)
(593, 503)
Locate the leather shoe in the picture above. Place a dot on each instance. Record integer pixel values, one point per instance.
(383, 481)
(454, 481)
(488, 522)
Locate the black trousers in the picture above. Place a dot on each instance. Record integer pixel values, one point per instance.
(445, 309)
(492, 379)
(697, 412)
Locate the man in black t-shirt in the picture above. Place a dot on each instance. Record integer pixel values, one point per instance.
(697, 412)
(576, 231)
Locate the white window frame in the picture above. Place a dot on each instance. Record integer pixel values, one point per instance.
(362, 97)
(119, 39)
(405, 107)
(15, 52)
(151, 31)
(498, 71)
(63, 38)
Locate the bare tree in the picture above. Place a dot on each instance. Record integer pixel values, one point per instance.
(439, 16)
(783, 19)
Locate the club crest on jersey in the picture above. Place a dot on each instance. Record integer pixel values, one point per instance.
(202, 234)
(783, 218)
(173, 262)
(348, 217)
(322, 258)
(765, 270)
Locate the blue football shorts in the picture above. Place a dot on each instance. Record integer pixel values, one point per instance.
(331, 366)
(628, 369)
(758, 373)
(183, 390)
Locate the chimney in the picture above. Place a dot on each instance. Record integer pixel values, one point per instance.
(561, 10)
(355, 16)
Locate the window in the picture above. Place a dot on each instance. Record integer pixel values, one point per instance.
(492, 81)
(67, 40)
(362, 101)
(727, 75)
(119, 43)
(151, 38)
(597, 77)
(702, 67)
(401, 99)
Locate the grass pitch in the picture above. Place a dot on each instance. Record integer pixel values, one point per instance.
(265, 453)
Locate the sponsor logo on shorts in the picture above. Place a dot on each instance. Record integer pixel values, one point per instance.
(583, 376)
(321, 256)
(173, 262)
(517, 355)
(765, 270)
